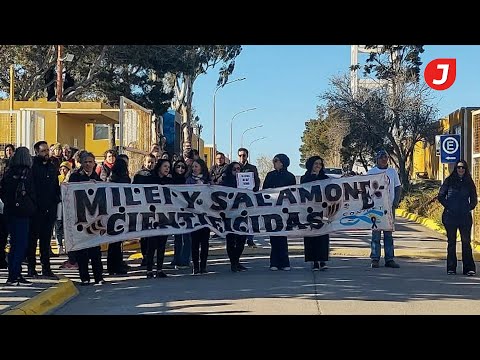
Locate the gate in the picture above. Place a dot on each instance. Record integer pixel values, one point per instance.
(32, 129)
(135, 133)
(9, 133)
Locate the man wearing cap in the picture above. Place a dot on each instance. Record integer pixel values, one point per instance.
(395, 191)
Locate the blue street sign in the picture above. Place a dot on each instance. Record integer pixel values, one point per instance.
(449, 148)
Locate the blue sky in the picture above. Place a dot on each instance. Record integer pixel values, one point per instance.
(284, 83)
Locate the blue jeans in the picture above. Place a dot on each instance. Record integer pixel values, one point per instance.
(18, 228)
(182, 249)
(387, 243)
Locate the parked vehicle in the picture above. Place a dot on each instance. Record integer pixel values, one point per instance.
(333, 172)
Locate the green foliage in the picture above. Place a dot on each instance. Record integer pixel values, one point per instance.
(421, 199)
(106, 72)
(314, 139)
(394, 59)
(323, 137)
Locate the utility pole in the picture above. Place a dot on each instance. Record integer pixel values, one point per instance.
(12, 87)
(59, 74)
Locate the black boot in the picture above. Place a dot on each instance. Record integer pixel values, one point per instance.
(31, 271)
(47, 272)
(196, 269)
(3, 262)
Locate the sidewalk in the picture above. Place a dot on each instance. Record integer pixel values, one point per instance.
(412, 240)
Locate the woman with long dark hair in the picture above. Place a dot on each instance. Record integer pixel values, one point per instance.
(458, 195)
(115, 266)
(18, 195)
(316, 248)
(235, 242)
(183, 242)
(161, 176)
(8, 152)
(201, 237)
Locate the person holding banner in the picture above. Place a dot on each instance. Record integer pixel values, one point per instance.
(161, 176)
(143, 176)
(277, 178)
(235, 243)
(93, 254)
(395, 191)
(247, 167)
(458, 195)
(115, 264)
(316, 247)
(201, 237)
(182, 247)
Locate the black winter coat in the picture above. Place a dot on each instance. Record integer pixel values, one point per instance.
(8, 188)
(458, 197)
(80, 176)
(47, 188)
(252, 168)
(143, 177)
(276, 179)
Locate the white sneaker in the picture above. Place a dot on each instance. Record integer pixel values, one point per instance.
(273, 268)
(287, 268)
(61, 250)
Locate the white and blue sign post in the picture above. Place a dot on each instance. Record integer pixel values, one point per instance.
(449, 148)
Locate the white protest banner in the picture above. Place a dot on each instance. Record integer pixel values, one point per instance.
(96, 213)
(245, 180)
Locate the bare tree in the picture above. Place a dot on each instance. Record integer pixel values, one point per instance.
(399, 118)
(264, 165)
(196, 60)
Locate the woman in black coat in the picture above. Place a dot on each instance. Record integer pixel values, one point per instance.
(235, 242)
(279, 177)
(182, 244)
(115, 265)
(458, 195)
(18, 196)
(200, 238)
(161, 176)
(316, 247)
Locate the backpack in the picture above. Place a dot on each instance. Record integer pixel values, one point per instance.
(24, 204)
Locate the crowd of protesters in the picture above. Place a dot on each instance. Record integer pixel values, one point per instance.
(30, 192)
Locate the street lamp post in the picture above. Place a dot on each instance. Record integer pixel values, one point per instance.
(250, 128)
(231, 129)
(214, 95)
(250, 146)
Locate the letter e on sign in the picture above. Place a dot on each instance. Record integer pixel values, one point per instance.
(440, 74)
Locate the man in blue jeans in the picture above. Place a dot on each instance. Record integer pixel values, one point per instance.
(395, 191)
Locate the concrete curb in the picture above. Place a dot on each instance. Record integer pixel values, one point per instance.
(429, 223)
(48, 300)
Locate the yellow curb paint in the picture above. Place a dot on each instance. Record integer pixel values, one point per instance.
(135, 256)
(429, 223)
(138, 255)
(47, 300)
